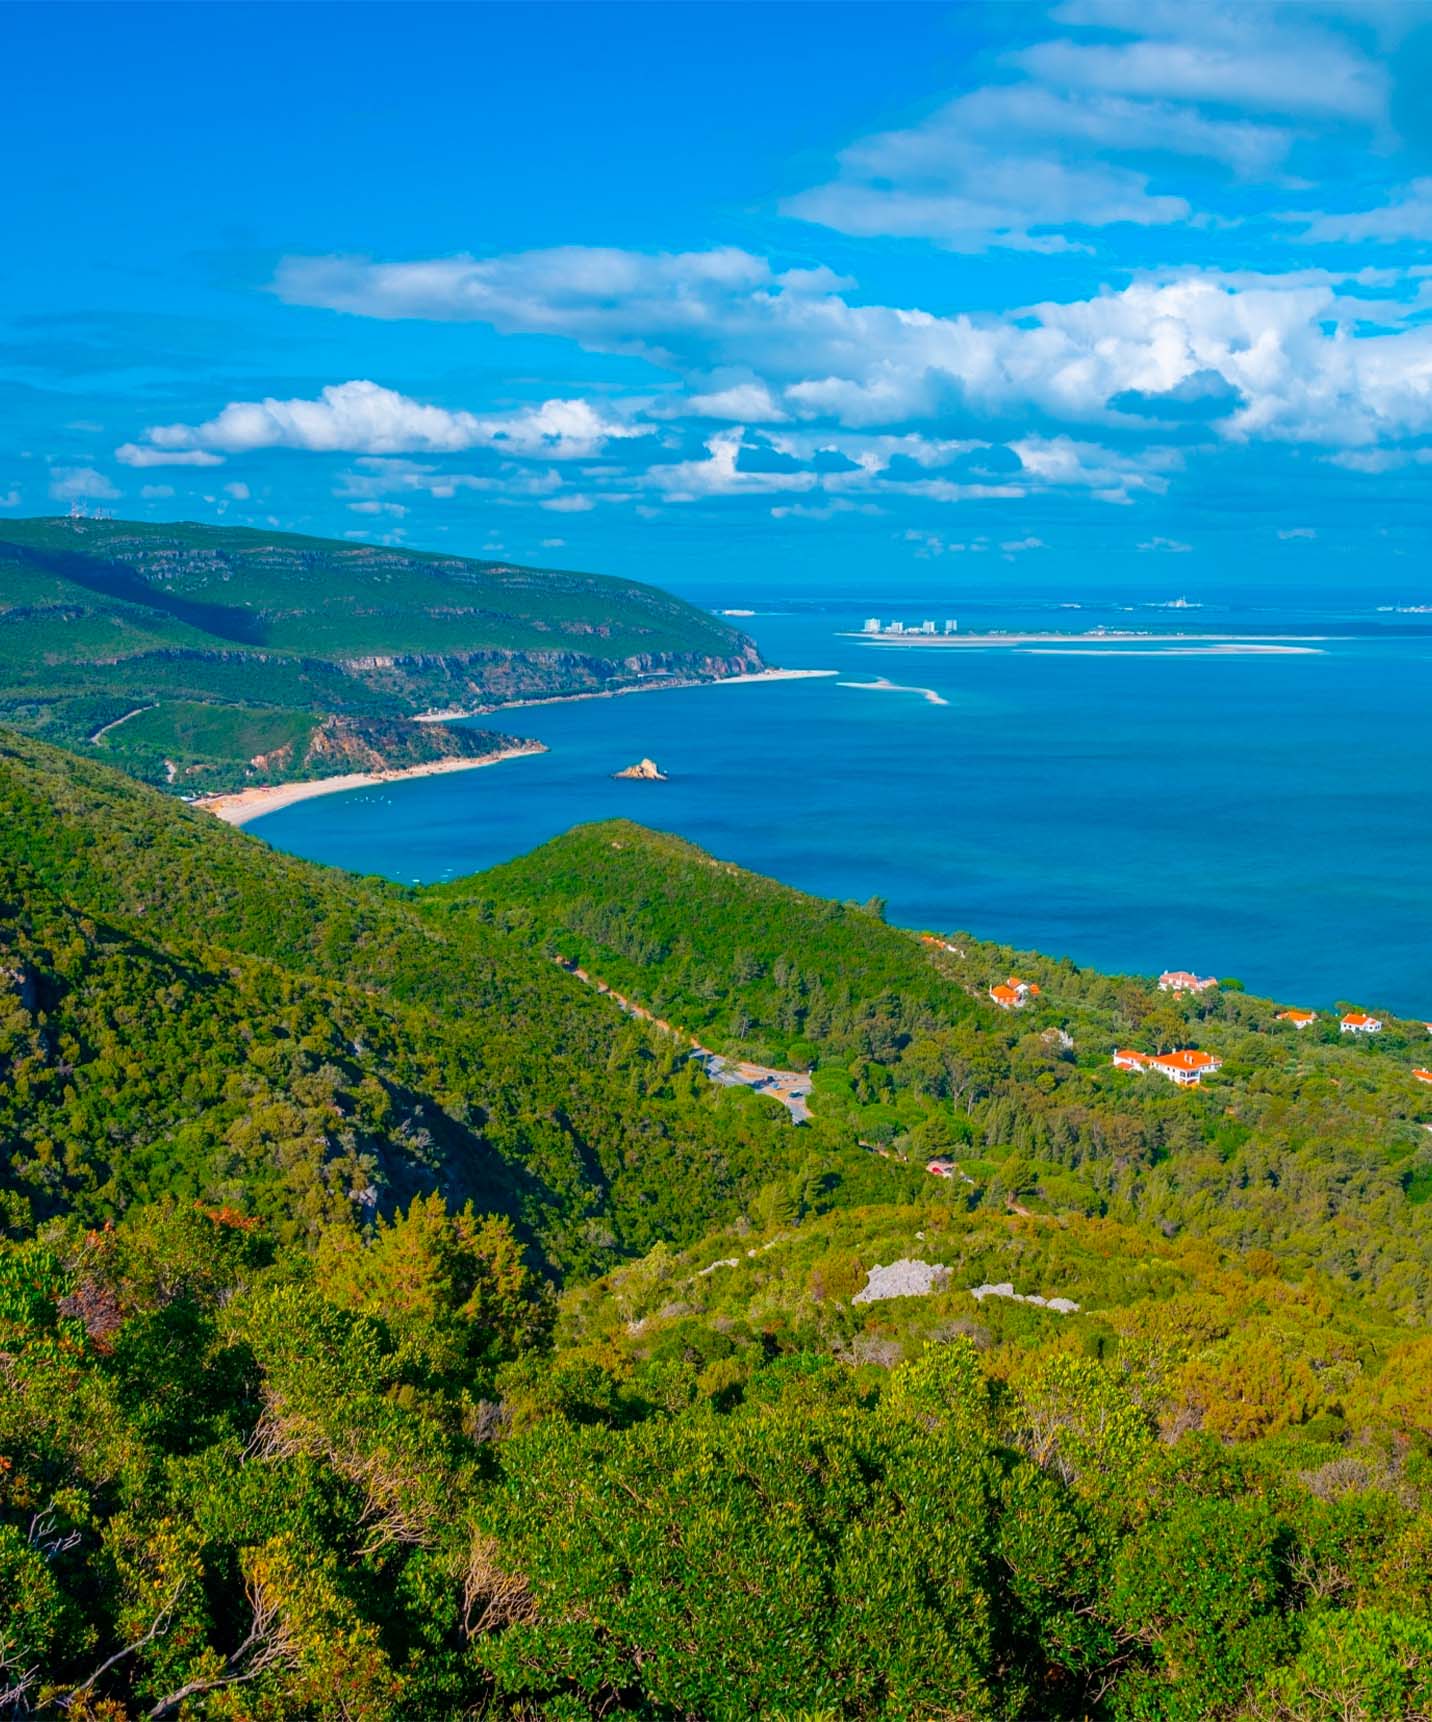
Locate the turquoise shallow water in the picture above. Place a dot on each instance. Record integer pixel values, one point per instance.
(1268, 817)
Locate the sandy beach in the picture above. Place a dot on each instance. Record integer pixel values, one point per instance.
(246, 804)
(652, 687)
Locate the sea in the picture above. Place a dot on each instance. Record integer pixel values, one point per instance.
(1262, 812)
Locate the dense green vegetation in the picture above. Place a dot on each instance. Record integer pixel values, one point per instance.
(1302, 1144)
(391, 1327)
(189, 1014)
(99, 618)
(200, 747)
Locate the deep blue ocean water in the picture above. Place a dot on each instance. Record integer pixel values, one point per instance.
(1265, 816)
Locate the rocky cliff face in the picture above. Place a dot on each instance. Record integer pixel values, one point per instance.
(338, 745)
(482, 680)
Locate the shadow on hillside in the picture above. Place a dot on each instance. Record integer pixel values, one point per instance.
(115, 580)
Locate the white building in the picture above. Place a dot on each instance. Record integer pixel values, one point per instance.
(1181, 981)
(1359, 1022)
(871, 625)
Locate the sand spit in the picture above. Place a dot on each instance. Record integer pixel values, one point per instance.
(883, 685)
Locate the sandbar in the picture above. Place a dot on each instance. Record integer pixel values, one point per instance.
(1122, 637)
(1224, 649)
(883, 685)
(243, 805)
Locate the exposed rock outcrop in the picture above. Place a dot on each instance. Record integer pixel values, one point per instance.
(645, 771)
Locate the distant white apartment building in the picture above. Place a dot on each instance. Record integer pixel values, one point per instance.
(871, 625)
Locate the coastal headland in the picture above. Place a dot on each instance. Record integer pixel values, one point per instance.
(665, 685)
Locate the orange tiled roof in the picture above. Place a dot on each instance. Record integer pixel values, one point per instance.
(1297, 1016)
(1004, 995)
(1187, 1059)
(1423, 1075)
(1359, 1016)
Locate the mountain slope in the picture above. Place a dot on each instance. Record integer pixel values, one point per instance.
(1137, 1426)
(189, 1012)
(100, 617)
(1307, 1142)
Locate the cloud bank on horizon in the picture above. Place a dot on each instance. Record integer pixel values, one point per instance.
(1227, 198)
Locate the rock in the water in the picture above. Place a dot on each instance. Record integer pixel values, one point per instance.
(646, 770)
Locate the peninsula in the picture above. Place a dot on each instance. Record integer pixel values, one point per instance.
(209, 660)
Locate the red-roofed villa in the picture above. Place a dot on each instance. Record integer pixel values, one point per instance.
(1187, 1067)
(1359, 1022)
(1181, 981)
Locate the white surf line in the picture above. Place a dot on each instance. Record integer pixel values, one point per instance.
(1229, 651)
(104, 729)
(883, 685)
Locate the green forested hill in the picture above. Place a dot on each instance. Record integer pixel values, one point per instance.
(191, 1014)
(101, 617)
(1304, 1143)
(391, 1328)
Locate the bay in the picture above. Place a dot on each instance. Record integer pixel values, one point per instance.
(1265, 815)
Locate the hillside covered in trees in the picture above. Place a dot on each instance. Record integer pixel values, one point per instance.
(204, 657)
(392, 1326)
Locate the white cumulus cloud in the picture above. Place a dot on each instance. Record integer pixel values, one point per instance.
(362, 417)
(138, 454)
(1311, 356)
(81, 484)
(719, 474)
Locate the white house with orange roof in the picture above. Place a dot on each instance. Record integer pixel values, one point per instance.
(1186, 1066)
(941, 944)
(1181, 981)
(1359, 1022)
(1298, 1018)
(1014, 994)
(1423, 1075)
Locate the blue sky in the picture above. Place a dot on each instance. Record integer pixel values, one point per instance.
(736, 296)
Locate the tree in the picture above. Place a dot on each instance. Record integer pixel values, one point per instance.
(456, 1287)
